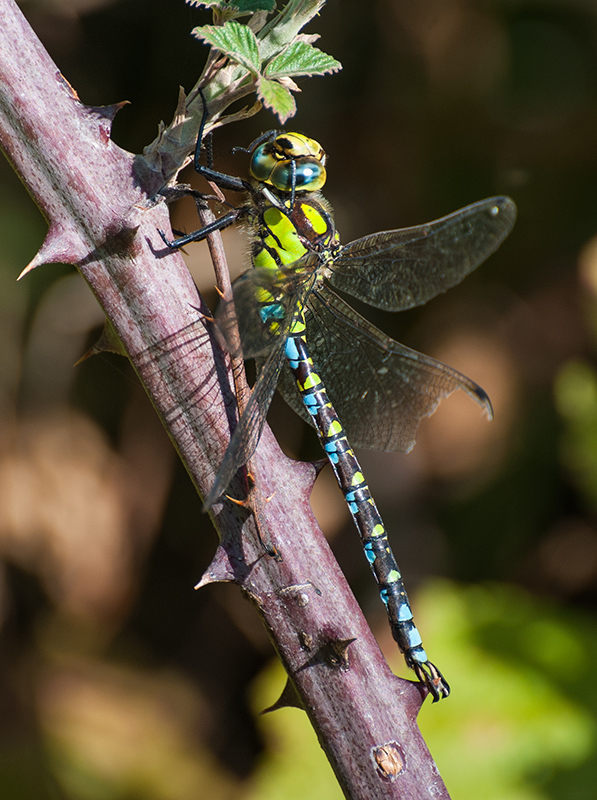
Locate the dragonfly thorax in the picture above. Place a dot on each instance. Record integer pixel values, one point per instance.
(284, 235)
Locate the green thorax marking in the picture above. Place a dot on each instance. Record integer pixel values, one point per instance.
(283, 235)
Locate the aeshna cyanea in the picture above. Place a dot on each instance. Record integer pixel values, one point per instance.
(372, 391)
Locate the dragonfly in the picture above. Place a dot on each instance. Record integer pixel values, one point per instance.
(355, 385)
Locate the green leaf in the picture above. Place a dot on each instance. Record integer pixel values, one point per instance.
(242, 6)
(236, 41)
(220, 4)
(301, 58)
(284, 28)
(277, 98)
(255, 5)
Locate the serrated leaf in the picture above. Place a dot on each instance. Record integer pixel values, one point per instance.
(286, 26)
(255, 5)
(236, 41)
(275, 97)
(288, 83)
(301, 58)
(242, 6)
(207, 3)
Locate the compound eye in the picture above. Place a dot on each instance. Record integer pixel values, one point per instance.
(315, 149)
(263, 162)
(296, 145)
(309, 175)
(292, 145)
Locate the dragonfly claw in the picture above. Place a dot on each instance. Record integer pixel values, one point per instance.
(433, 679)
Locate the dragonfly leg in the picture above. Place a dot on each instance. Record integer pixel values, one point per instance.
(196, 236)
(433, 679)
(252, 505)
(269, 549)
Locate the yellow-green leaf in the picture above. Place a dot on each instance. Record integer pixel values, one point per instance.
(301, 58)
(277, 98)
(236, 41)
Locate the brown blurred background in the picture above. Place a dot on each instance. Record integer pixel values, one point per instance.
(117, 680)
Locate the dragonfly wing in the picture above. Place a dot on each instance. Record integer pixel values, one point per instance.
(395, 270)
(262, 305)
(380, 389)
(247, 433)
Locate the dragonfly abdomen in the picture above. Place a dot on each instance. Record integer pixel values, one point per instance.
(366, 516)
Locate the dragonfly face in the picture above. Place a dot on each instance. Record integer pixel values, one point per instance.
(289, 162)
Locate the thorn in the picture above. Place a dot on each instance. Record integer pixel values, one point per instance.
(102, 118)
(288, 699)
(270, 497)
(91, 352)
(66, 83)
(336, 652)
(29, 268)
(219, 571)
(60, 246)
(108, 342)
(107, 112)
(319, 464)
(252, 483)
(242, 503)
(202, 314)
(180, 114)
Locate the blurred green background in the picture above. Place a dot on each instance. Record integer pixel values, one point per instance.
(117, 680)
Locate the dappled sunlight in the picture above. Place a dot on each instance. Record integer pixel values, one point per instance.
(512, 711)
(118, 731)
(118, 681)
(62, 516)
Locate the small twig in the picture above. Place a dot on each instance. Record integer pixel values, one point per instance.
(253, 501)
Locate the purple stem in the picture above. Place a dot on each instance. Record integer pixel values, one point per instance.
(95, 198)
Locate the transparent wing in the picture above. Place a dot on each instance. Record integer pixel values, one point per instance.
(395, 270)
(380, 389)
(288, 289)
(247, 433)
(261, 297)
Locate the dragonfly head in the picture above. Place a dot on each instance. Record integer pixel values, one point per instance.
(290, 162)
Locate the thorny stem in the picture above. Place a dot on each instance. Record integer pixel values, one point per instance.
(95, 199)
